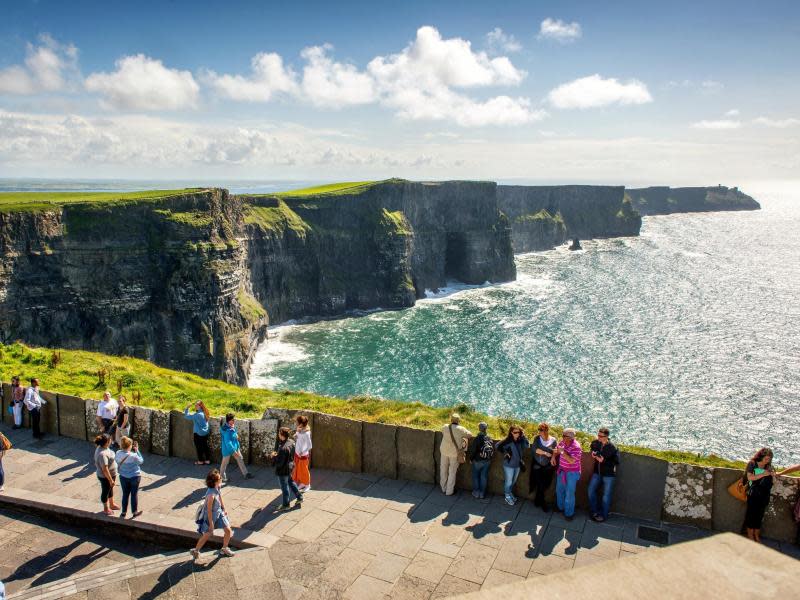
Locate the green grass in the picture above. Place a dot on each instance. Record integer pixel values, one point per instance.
(77, 374)
(276, 218)
(542, 215)
(345, 187)
(395, 221)
(251, 308)
(39, 201)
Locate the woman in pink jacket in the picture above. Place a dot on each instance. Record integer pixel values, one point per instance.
(567, 457)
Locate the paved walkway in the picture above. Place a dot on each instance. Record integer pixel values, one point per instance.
(359, 536)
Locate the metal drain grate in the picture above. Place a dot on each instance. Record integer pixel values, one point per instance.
(651, 534)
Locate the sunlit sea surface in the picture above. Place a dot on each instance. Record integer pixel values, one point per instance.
(687, 337)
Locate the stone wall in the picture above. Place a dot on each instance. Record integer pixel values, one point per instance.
(647, 488)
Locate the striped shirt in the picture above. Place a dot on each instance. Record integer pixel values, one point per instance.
(573, 450)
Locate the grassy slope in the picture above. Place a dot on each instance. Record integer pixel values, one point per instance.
(345, 187)
(35, 201)
(77, 374)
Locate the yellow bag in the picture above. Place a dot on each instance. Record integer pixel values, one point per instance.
(738, 490)
(5, 443)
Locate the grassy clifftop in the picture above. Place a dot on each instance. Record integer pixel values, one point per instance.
(79, 373)
(39, 201)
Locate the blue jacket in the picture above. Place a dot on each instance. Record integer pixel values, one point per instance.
(199, 422)
(230, 440)
(129, 468)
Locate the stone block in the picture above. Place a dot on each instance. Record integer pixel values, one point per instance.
(160, 432)
(688, 495)
(72, 417)
(337, 443)
(727, 511)
(415, 454)
(5, 402)
(142, 427)
(243, 431)
(779, 523)
(49, 413)
(437, 457)
(181, 440)
(380, 449)
(639, 489)
(285, 417)
(215, 439)
(90, 414)
(263, 433)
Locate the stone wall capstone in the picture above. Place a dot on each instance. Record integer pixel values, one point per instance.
(263, 433)
(415, 454)
(181, 438)
(72, 417)
(337, 443)
(160, 430)
(728, 512)
(380, 449)
(688, 495)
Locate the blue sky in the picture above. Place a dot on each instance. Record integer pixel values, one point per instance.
(622, 92)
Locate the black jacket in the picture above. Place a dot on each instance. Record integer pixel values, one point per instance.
(610, 454)
(284, 462)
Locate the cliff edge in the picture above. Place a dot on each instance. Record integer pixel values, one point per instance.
(667, 200)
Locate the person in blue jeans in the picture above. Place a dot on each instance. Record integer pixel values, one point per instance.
(481, 457)
(512, 448)
(606, 458)
(283, 459)
(129, 463)
(567, 458)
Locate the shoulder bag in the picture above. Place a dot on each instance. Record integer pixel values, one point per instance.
(462, 455)
(738, 490)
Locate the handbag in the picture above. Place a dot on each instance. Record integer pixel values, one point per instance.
(738, 490)
(462, 455)
(5, 443)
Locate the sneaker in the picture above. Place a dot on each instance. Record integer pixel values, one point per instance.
(195, 553)
(226, 551)
(248, 476)
(569, 518)
(509, 500)
(282, 508)
(298, 503)
(138, 513)
(122, 515)
(2, 489)
(599, 518)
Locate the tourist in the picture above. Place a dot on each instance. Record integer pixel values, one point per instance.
(513, 448)
(129, 463)
(122, 424)
(302, 454)
(230, 448)
(543, 447)
(567, 458)
(453, 453)
(213, 516)
(481, 457)
(283, 459)
(34, 403)
(606, 458)
(17, 401)
(759, 475)
(200, 428)
(4, 445)
(106, 469)
(106, 413)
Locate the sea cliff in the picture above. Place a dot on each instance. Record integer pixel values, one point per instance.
(667, 200)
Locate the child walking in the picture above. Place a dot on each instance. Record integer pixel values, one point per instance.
(302, 454)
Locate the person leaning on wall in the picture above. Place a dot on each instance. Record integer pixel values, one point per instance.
(759, 476)
(34, 403)
(453, 453)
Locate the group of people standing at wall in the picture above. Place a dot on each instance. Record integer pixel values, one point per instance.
(550, 458)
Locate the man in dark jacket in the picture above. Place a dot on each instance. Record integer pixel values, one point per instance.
(605, 457)
(283, 459)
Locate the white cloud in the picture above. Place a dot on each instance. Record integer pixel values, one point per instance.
(48, 67)
(710, 86)
(499, 41)
(718, 124)
(144, 83)
(777, 123)
(594, 91)
(333, 84)
(734, 112)
(560, 31)
(269, 76)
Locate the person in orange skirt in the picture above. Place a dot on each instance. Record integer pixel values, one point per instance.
(302, 454)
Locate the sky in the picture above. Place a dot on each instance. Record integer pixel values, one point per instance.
(634, 93)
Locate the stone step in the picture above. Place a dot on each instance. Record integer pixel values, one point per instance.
(173, 530)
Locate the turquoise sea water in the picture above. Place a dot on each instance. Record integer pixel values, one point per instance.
(687, 337)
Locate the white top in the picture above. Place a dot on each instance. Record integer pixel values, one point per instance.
(107, 409)
(460, 433)
(302, 443)
(33, 399)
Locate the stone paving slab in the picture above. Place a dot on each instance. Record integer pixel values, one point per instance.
(356, 534)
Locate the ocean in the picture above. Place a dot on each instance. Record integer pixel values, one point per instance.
(686, 337)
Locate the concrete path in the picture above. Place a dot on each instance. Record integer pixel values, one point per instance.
(359, 536)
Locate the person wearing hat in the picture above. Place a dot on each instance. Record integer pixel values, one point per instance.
(454, 443)
(481, 457)
(567, 459)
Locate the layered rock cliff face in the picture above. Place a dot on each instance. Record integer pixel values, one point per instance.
(162, 280)
(666, 200)
(543, 217)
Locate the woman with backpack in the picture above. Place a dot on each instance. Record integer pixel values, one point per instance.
(513, 448)
(759, 476)
(481, 457)
(542, 470)
(211, 515)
